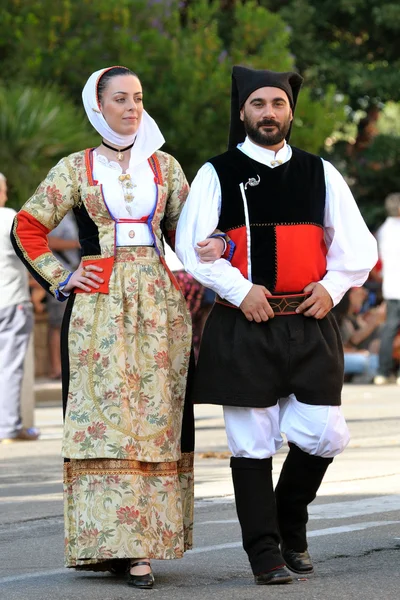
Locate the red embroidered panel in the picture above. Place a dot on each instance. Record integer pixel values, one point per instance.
(32, 235)
(239, 259)
(301, 256)
(155, 167)
(89, 165)
(107, 265)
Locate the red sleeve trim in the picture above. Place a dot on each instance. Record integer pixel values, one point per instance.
(32, 235)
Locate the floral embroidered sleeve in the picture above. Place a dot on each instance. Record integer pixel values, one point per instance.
(54, 197)
(178, 190)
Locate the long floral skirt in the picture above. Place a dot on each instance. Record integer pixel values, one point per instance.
(128, 432)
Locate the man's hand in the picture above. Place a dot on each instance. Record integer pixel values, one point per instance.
(318, 304)
(255, 305)
(210, 250)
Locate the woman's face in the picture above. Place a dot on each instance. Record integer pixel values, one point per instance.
(122, 104)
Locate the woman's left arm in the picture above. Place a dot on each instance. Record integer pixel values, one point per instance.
(178, 190)
(210, 249)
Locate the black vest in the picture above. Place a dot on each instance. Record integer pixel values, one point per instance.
(276, 225)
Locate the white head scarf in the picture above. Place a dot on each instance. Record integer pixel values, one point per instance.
(148, 136)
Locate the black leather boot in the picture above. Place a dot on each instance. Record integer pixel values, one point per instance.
(300, 478)
(255, 505)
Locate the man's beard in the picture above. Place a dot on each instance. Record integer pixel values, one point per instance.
(265, 138)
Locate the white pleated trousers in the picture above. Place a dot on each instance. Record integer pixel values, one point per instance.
(257, 432)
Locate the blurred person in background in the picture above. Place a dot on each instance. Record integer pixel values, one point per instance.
(388, 236)
(16, 324)
(360, 333)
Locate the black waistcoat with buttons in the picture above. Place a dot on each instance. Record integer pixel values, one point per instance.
(277, 225)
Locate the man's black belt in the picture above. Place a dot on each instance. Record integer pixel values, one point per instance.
(285, 304)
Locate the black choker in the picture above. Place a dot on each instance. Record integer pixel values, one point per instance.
(120, 155)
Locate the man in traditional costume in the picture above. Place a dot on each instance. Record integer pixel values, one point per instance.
(126, 337)
(271, 352)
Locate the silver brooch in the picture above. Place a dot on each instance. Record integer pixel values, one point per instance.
(252, 182)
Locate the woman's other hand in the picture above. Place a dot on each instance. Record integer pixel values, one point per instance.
(211, 249)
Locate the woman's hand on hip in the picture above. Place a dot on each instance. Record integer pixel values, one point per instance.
(84, 278)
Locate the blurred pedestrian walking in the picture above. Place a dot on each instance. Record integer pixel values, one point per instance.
(388, 236)
(16, 324)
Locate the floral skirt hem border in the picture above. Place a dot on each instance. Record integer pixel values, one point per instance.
(118, 509)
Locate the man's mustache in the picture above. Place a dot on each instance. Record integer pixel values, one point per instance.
(267, 122)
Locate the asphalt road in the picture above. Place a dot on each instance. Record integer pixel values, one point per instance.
(354, 528)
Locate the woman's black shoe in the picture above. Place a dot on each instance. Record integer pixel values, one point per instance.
(144, 582)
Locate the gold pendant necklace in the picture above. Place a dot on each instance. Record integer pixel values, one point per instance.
(119, 151)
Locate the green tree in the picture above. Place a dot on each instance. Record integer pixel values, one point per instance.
(353, 44)
(37, 128)
(315, 120)
(374, 173)
(180, 52)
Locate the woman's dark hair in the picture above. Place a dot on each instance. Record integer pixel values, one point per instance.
(107, 75)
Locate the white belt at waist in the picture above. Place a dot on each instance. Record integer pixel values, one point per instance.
(133, 234)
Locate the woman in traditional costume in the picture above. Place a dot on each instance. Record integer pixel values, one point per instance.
(126, 337)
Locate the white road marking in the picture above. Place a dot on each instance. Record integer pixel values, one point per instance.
(16, 578)
(316, 533)
(39, 497)
(216, 522)
(355, 508)
(348, 528)
(344, 510)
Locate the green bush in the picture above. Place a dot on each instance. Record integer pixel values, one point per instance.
(183, 54)
(375, 174)
(37, 128)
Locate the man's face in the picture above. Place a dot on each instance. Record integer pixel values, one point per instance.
(3, 192)
(267, 116)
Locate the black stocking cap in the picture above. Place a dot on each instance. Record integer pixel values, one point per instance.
(245, 81)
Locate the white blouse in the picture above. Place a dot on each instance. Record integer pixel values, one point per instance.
(143, 192)
(352, 250)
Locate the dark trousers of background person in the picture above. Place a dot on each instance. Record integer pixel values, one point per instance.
(389, 331)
